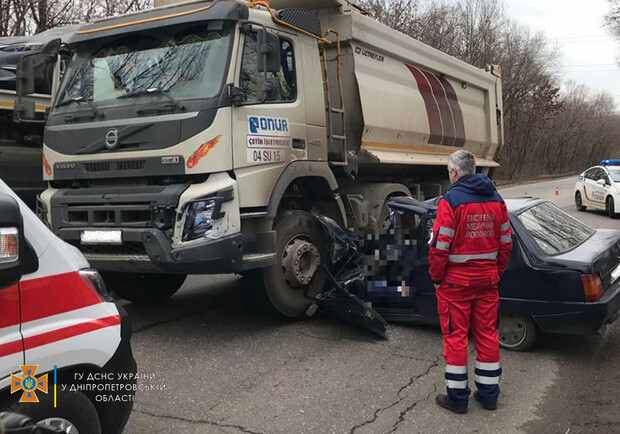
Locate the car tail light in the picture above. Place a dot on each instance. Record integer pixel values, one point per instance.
(592, 286)
(94, 280)
(9, 245)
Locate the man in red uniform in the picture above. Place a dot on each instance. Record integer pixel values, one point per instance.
(470, 247)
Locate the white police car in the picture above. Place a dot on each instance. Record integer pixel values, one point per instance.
(599, 188)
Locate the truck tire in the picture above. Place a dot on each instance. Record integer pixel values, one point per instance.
(74, 412)
(144, 288)
(301, 249)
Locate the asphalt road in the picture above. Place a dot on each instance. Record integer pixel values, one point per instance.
(229, 369)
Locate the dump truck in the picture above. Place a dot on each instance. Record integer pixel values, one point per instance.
(201, 137)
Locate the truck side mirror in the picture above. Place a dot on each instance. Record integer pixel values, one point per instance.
(12, 242)
(269, 52)
(31, 66)
(601, 182)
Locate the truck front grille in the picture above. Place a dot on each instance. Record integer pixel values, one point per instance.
(97, 167)
(114, 165)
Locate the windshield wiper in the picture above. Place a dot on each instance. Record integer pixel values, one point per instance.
(80, 100)
(151, 91)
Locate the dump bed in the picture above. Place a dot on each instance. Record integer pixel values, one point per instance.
(409, 103)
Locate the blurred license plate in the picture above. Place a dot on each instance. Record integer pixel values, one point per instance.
(101, 237)
(615, 274)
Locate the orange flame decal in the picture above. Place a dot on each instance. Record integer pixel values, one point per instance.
(46, 166)
(202, 152)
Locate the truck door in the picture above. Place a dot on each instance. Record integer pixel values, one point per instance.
(272, 132)
(11, 343)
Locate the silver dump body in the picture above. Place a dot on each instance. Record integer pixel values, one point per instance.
(405, 102)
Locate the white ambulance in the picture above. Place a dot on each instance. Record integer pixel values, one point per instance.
(56, 318)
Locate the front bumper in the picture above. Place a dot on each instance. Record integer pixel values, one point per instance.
(151, 252)
(591, 318)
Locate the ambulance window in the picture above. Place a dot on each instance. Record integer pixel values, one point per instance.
(287, 90)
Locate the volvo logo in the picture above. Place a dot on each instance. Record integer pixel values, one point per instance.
(111, 138)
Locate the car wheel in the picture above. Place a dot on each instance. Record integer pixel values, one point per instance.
(516, 332)
(74, 412)
(293, 282)
(610, 208)
(144, 288)
(579, 202)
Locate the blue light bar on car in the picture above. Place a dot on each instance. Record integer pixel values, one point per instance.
(610, 162)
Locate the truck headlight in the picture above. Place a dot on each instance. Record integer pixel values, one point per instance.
(198, 219)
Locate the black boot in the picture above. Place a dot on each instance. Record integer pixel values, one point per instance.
(445, 402)
(484, 404)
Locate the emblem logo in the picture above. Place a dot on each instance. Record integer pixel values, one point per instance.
(29, 384)
(111, 138)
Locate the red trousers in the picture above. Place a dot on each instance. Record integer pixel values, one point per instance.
(462, 309)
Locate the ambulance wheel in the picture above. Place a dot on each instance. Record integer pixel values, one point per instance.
(516, 332)
(579, 202)
(144, 288)
(610, 208)
(292, 283)
(74, 412)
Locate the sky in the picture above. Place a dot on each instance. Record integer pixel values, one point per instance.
(588, 54)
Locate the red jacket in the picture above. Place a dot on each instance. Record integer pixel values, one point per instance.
(471, 239)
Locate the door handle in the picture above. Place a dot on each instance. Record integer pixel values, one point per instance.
(299, 143)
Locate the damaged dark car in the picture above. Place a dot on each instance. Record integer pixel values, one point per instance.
(563, 276)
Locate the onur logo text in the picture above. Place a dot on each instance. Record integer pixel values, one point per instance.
(268, 126)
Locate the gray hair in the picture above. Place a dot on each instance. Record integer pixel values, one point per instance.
(463, 161)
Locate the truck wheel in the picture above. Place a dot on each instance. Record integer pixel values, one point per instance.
(74, 412)
(579, 202)
(293, 282)
(516, 332)
(144, 288)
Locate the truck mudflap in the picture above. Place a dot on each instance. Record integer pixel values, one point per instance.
(338, 300)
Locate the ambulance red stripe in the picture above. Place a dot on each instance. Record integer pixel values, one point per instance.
(62, 293)
(58, 335)
(11, 348)
(71, 331)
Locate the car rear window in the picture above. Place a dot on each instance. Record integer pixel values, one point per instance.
(554, 231)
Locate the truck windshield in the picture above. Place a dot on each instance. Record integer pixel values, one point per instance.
(554, 231)
(186, 62)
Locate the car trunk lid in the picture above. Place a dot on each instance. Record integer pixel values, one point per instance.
(599, 254)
